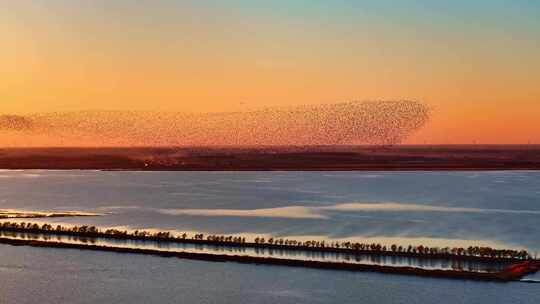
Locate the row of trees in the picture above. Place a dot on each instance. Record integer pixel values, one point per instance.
(474, 251)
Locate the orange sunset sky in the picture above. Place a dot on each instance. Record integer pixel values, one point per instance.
(475, 63)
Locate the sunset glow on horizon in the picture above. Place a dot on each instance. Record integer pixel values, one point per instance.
(475, 64)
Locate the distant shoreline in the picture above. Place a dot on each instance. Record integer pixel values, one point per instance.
(325, 158)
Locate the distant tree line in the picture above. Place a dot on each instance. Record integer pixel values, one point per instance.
(92, 231)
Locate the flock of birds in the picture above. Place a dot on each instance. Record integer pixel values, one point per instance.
(375, 122)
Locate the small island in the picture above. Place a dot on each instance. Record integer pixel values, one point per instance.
(19, 214)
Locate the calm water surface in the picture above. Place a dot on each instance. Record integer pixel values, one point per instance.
(43, 275)
(500, 209)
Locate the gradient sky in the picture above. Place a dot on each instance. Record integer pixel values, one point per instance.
(476, 63)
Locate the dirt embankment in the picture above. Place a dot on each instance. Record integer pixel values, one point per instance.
(513, 273)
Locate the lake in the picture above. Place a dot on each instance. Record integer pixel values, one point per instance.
(498, 209)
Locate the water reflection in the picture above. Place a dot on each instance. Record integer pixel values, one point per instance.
(426, 263)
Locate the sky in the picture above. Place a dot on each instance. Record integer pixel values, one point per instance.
(475, 63)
